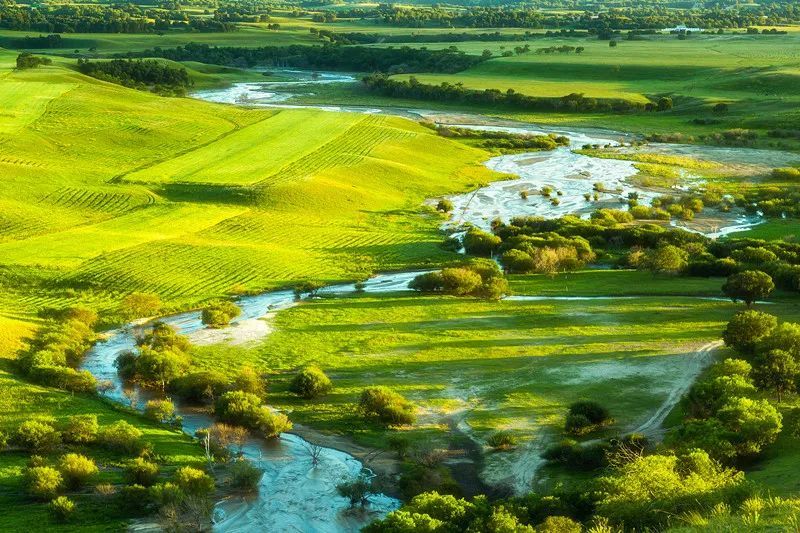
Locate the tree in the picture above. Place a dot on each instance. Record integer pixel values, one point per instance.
(76, 470)
(586, 416)
(748, 286)
(785, 336)
(27, 60)
(220, 314)
(776, 370)
(477, 242)
(357, 490)
(746, 328)
(517, 262)
(755, 423)
(311, 382)
(122, 436)
(666, 259)
(160, 366)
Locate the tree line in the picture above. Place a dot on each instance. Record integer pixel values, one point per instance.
(96, 18)
(457, 93)
(356, 58)
(139, 74)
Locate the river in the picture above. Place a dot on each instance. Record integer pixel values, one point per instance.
(294, 494)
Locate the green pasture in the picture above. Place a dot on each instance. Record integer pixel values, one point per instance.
(108, 190)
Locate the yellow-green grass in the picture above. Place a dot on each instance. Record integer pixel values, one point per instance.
(107, 190)
(773, 229)
(511, 364)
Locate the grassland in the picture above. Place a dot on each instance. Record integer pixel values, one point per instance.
(512, 365)
(102, 184)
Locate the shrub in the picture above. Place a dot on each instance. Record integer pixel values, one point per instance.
(444, 205)
(165, 494)
(517, 262)
(140, 304)
(160, 410)
(122, 436)
(193, 481)
(3, 441)
(80, 429)
(477, 242)
(37, 436)
(245, 476)
(249, 380)
(134, 500)
(559, 524)
(311, 382)
(64, 377)
(356, 490)
(61, 509)
(387, 406)
(586, 416)
(76, 470)
(43, 482)
(502, 440)
(220, 314)
(273, 424)
(755, 423)
(200, 386)
(141, 472)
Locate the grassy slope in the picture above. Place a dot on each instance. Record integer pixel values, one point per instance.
(103, 183)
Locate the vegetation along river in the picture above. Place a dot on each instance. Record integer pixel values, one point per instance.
(296, 495)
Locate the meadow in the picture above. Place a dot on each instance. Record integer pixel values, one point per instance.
(512, 365)
(217, 196)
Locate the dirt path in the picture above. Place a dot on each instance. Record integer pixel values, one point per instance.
(701, 358)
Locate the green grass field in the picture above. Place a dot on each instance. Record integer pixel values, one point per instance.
(512, 365)
(103, 183)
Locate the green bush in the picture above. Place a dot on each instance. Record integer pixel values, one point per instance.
(502, 440)
(220, 314)
(61, 509)
(134, 500)
(165, 494)
(311, 382)
(387, 406)
(245, 476)
(160, 410)
(43, 482)
(444, 205)
(76, 470)
(746, 328)
(37, 436)
(586, 416)
(200, 386)
(141, 472)
(64, 377)
(193, 481)
(249, 380)
(273, 424)
(80, 429)
(122, 436)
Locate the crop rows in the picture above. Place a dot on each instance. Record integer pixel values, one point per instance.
(107, 202)
(345, 150)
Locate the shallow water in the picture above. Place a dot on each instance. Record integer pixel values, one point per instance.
(294, 495)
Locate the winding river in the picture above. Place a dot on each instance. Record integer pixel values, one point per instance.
(294, 494)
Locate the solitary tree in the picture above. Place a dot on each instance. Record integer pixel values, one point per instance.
(748, 286)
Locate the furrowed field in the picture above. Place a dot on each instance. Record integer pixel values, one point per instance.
(109, 191)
